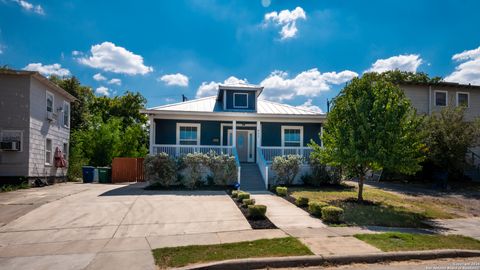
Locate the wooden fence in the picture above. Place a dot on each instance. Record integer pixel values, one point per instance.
(127, 170)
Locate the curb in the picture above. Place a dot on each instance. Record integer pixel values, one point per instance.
(314, 260)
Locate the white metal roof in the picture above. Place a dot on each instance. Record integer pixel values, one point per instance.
(210, 104)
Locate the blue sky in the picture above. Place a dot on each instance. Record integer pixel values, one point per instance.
(303, 52)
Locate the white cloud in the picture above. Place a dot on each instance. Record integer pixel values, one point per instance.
(48, 70)
(99, 77)
(102, 90)
(115, 81)
(30, 7)
(405, 62)
(76, 53)
(468, 71)
(109, 57)
(210, 88)
(287, 20)
(175, 79)
(308, 83)
(309, 106)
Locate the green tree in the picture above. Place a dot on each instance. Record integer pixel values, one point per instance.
(370, 127)
(448, 137)
(398, 76)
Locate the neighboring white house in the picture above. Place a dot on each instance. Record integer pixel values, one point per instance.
(34, 122)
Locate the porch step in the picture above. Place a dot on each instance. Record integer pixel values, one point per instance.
(250, 178)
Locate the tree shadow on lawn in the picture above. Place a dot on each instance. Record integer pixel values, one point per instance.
(368, 213)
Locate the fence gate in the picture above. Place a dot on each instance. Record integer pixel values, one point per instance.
(127, 170)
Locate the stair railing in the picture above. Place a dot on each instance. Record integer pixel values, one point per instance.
(473, 157)
(237, 161)
(262, 166)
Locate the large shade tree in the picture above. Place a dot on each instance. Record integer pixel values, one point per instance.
(371, 126)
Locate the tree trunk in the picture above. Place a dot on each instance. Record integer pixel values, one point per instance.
(361, 179)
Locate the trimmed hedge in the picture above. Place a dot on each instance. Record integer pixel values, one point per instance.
(301, 201)
(257, 211)
(247, 202)
(243, 195)
(235, 193)
(315, 208)
(281, 191)
(332, 214)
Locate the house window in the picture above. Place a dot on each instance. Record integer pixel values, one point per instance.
(240, 100)
(66, 114)
(441, 98)
(7, 136)
(463, 99)
(65, 151)
(188, 134)
(292, 136)
(48, 152)
(50, 102)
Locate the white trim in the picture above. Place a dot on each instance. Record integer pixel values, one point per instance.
(13, 130)
(240, 107)
(66, 125)
(48, 162)
(435, 97)
(243, 117)
(465, 93)
(292, 127)
(197, 125)
(48, 93)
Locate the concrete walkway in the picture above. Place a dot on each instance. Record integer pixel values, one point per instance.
(463, 226)
(286, 215)
(321, 239)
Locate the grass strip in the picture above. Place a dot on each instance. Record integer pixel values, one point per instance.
(410, 241)
(181, 256)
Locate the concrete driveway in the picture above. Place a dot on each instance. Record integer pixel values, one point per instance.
(95, 226)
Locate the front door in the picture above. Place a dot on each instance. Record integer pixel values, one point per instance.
(245, 144)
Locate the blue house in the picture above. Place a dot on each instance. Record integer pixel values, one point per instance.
(236, 122)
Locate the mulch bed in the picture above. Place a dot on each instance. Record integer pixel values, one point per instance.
(256, 224)
(292, 200)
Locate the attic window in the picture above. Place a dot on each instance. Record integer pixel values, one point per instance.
(240, 100)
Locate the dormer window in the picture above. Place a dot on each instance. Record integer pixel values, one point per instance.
(240, 100)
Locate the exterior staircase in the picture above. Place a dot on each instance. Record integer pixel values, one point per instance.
(250, 178)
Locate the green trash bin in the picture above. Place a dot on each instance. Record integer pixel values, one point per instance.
(104, 175)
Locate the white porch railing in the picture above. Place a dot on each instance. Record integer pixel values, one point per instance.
(176, 150)
(270, 152)
(262, 166)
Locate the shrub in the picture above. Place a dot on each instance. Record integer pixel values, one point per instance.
(235, 193)
(286, 168)
(301, 201)
(243, 195)
(195, 168)
(315, 208)
(281, 191)
(222, 167)
(332, 214)
(257, 211)
(247, 202)
(322, 174)
(161, 169)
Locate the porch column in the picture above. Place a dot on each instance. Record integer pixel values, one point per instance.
(152, 134)
(234, 133)
(259, 134)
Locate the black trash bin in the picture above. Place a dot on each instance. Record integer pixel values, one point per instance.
(87, 172)
(104, 174)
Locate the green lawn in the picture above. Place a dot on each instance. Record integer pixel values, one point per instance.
(383, 209)
(408, 241)
(181, 256)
